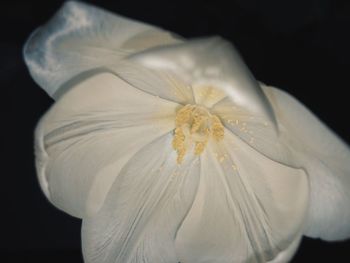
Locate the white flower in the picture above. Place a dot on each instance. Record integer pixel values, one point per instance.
(170, 151)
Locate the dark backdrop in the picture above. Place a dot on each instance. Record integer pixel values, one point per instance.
(301, 46)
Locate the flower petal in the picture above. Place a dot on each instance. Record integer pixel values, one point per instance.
(254, 130)
(166, 85)
(144, 208)
(81, 37)
(220, 81)
(209, 62)
(89, 134)
(287, 254)
(326, 159)
(248, 208)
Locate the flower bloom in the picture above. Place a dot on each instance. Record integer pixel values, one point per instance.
(170, 151)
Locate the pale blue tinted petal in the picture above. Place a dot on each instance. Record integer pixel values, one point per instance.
(81, 37)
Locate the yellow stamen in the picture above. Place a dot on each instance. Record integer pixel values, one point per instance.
(195, 125)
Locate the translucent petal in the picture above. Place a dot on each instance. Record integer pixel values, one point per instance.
(326, 159)
(81, 37)
(287, 254)
(248, 208)
(89, 134)
(144, 208)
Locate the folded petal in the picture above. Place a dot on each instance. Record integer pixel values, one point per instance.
(221, 82)
(144, 208)
(81, 37)
(209, 62)
(89, 134)
(326, 159)
(248, 208)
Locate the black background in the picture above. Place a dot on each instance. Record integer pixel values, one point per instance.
(301, 46)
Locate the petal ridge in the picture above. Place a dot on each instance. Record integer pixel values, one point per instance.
(119, 233)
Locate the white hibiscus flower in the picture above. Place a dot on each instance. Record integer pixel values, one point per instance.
(170, 151)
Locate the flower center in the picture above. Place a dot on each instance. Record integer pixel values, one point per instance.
(195, 125)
